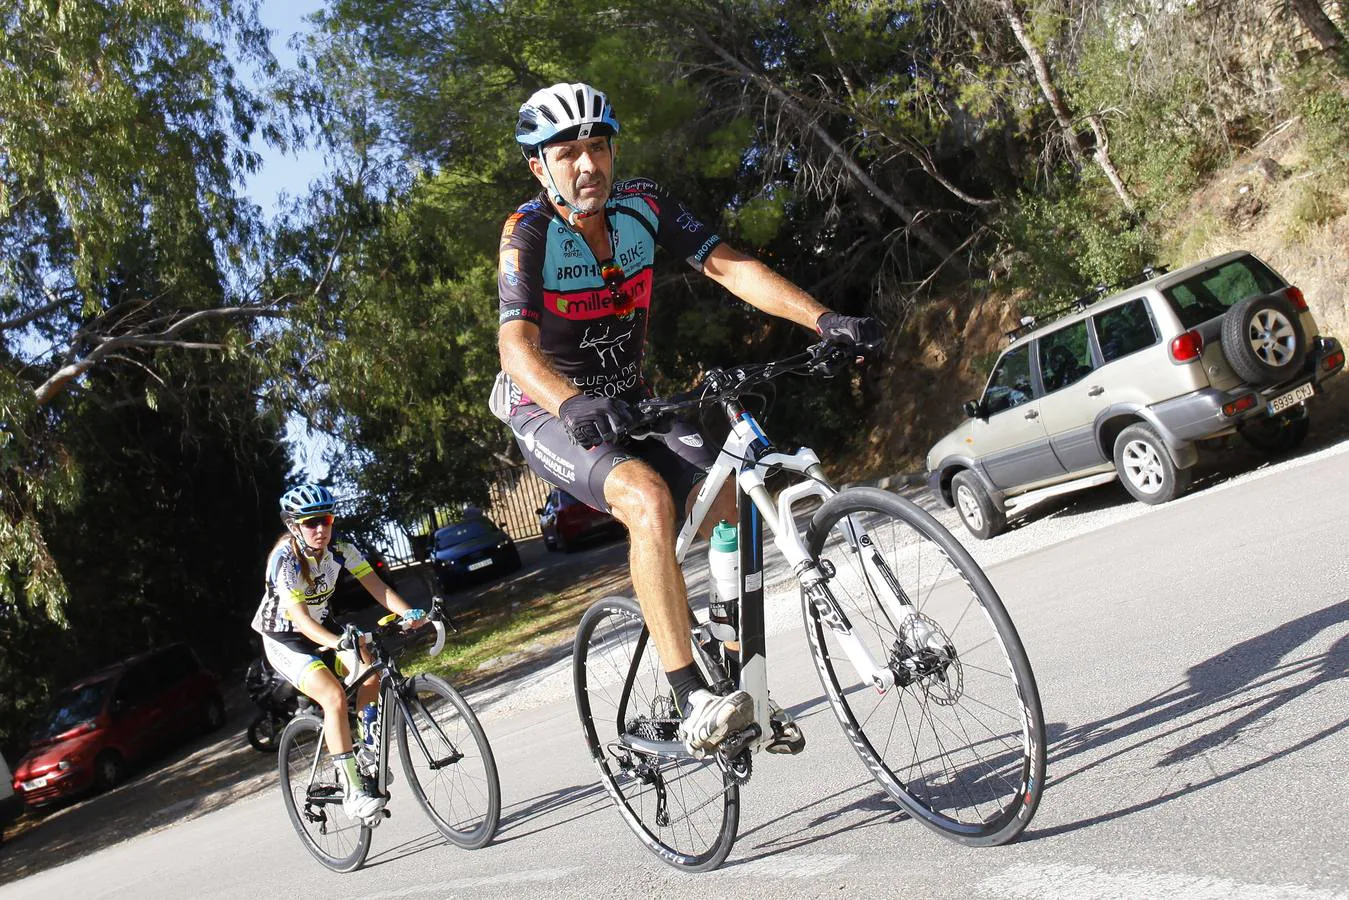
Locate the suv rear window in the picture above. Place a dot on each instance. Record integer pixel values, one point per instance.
(1212, 293)
(1125, 329)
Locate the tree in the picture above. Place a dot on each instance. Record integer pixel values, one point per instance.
(1319, 23)
(125, 131)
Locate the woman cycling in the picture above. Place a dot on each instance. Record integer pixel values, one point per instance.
(302, 571)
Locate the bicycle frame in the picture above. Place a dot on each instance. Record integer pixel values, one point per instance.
(392, 690)
(751, 457)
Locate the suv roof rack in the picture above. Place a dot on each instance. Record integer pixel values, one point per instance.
(1030, 323)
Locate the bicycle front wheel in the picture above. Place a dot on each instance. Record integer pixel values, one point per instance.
(313, 797)
(449, 763)
(958, 740)
(685, 810)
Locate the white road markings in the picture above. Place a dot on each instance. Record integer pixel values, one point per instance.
(1066, 882)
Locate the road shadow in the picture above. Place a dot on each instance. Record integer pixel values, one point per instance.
(1205, 723)
(519, 820)
(207, 774)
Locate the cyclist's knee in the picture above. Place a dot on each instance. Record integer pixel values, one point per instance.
(325, 690)
(640, 499)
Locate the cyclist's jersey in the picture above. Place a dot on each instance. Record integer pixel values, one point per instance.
(285, 587)
(547, 274)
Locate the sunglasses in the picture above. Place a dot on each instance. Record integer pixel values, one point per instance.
(316, 521)
(613, 276)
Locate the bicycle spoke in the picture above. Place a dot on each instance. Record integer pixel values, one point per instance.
(462, 798)
(682, 808)
(959, 734)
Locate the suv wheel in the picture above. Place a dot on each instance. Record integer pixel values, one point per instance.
(977, 510)
(1263, 340)
(1277, 435)
(1145, 466)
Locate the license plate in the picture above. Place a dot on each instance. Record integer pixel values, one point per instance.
(480, 564)
(1296, 395)
(35, 784)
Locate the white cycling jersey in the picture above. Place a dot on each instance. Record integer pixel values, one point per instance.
(286, 587)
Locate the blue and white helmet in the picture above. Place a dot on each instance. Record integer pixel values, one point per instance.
(307, 500)
(564, 112)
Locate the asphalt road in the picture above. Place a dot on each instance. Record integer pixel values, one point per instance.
(1191, 662)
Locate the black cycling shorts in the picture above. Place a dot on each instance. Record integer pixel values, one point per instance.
(680, 456)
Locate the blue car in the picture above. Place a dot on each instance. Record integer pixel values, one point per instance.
(473, 550)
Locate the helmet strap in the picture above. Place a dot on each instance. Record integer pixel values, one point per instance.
(574, 215)
(294, 528)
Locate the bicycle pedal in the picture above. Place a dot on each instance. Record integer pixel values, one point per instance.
(786, 739)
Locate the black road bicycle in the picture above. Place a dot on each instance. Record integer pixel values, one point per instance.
(444, 753)
(917, 655)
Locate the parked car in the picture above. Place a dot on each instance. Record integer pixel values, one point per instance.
(108, 721)
(1128, 386)
(567, 522)
(472, 550)
(10, 804)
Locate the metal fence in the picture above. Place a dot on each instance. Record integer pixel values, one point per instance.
(514, 496)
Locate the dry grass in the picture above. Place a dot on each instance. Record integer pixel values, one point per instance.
(1297, 221)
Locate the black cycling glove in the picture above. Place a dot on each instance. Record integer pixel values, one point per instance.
(591, 421)
(862, 332)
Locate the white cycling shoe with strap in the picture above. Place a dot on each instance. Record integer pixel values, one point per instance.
(711, 718)
(358, 802)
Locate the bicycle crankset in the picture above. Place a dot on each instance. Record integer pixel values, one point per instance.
(733, 756)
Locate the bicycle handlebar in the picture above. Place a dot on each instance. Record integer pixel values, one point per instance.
(395, 638)
(823, 358)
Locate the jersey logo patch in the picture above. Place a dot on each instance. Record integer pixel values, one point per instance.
(604, 344)
(693, 440)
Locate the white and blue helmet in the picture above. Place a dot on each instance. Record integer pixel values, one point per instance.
(307, 500)
(563, 112)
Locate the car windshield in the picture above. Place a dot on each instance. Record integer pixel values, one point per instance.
(72, 707)
(1212, 293)
(457, 534)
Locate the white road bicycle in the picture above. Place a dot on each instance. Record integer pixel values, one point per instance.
(917, 655)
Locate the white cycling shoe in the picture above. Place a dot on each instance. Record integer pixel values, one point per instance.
(711, 718)
(357, 800)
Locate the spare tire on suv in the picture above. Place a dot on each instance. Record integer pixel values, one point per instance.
(1263, 340)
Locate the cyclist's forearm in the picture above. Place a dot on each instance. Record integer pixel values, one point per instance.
(762, 288)
(528, 366)
(384, 595)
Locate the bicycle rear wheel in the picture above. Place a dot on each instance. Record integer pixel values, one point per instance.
(451, 768)
(684, 810)
(313, 798)
(958, 740)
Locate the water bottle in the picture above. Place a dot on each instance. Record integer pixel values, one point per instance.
(723, 562)
(369, 725)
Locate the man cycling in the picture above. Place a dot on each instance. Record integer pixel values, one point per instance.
(301, 575)
(574, 278)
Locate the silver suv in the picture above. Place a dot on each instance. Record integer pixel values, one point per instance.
(1127, 385)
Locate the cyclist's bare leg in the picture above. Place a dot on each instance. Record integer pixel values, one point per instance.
(368, 692)
(640, 499)
(322, 686)
(723, 507)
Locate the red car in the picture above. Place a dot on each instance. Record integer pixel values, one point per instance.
(566, 522)
(105, 722)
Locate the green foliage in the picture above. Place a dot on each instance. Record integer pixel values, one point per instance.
(1320, 98)
(128, 481)
(1072, 243)
(1314, 204)
(760, 220)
